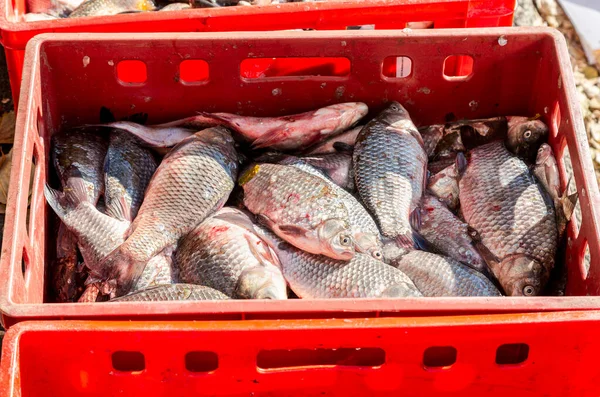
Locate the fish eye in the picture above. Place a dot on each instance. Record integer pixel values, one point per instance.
(527, 134)
(528, 290)
(345, 240)
(377, 255)
(395, 107)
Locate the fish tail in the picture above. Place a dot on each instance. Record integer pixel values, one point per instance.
(406, 240)
(62, 202)
(120, 271)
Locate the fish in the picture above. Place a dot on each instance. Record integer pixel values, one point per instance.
(444, 184)
(128, 168)
(110, 7)
(446, 234)
(546, 172)
(437, 276)
(97, 234)
(390, 167)
(502, 201)
(193, 181)
(336, 166)
(522, 135)
(91, 294)
(283, 133)
(331, 145)
(365, 233)
(53, 8)
(159, 270)
(176, 7)
(301, 208)
(173, 292)
(431, 135)
(319, 277)
(228, 257)
(79, 155)
(437, 165)
(153, 136)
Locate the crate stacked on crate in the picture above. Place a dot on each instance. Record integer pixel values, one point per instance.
(417, 345)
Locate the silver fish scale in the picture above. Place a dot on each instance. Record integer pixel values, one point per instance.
(316, 276)
(80, 154)
(158, 271)
(436, 275)
(173, 292)
(215, 254)
(290, 196)
(389, 169)
(360, 220)
(97, 234)
(128, 170)
(503, 202)
(192, 182)
(447, 234)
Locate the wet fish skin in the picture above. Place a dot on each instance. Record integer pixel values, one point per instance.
(110, 7)
(159, 136)
(336, 166)
(444, 184)
(525, 136)
(446, 234)
(159, 270)
(301, 208)
(365, 233)
(438, 276)
(173, 292)
(193, 181)
(390, 169)
(97, 234)
(327, 146)
(223, 255)
(546, 172)
(80, 154)
(128, 168)
(316, 276)
(502, 201)
(431, 135)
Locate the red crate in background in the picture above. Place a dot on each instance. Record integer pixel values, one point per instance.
(507, 71)
(329, 15)
(547, 354)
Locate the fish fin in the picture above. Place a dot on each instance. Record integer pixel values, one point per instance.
(106, 115)
(119, 209)
(292, 230)
(263, 253)
(120, 271)
(569, 201)
(420, 242)
(461, 163)
(474, 234)
(488, 257)
(415, 219)
(417, 135)
(62, 202)
(406, 240)
(270, 139)
(343, 147)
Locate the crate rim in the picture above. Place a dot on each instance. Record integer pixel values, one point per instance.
(300, 308)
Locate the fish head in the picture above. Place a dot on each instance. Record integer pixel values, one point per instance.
(335, 239)
(369, 244)
(353, 112)
(394, 113)
(261, 282)
(525, 136)
(521, 275)
(544, 154)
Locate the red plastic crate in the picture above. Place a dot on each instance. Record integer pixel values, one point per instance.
(491, 355)
(69, 77)
(330, 15)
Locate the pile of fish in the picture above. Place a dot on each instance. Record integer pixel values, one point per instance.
(40, 10)
(307, 206)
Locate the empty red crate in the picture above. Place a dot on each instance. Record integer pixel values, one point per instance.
(332, 14)
(491, 355)
(68, 78)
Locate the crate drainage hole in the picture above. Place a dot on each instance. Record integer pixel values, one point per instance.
(132, 72)
(436, 357)
(266, 68)
(512, 353)
(201, 361)
(397, 67)
(348, 357)
(128, 361)
(458, 67)
(193, 71)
